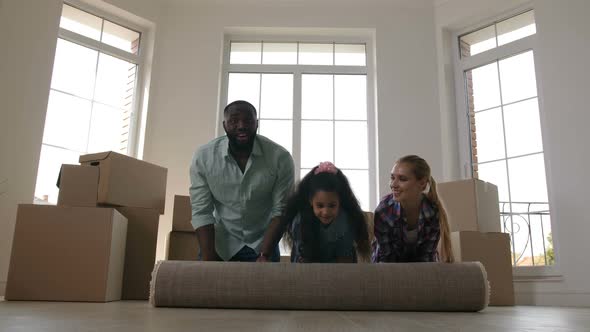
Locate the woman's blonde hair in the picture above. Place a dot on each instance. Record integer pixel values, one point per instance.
(421, 171)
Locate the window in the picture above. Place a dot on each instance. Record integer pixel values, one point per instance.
(91, 104)
(311, 98)
(497, 73)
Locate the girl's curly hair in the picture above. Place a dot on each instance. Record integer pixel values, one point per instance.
(299, 203)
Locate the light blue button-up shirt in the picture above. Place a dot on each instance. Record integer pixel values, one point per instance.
(240, 205)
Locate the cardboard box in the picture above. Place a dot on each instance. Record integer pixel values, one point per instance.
(183, 246)
(471, 205)
(140, 252)
(182, 214)
(493, 251)
(67, 254)
(78, 186)
(126, 181)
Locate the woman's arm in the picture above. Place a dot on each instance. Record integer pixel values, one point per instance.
(383, 244)
(426, 250)
(344, 259)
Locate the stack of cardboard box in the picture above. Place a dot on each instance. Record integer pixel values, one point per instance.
(474, 216)
(183, 244)
(99, 243)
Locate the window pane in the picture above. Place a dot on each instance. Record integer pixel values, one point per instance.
(478, 41)
(317, 142)
(490, 135)
(279, 53)
(317, 97)
(244, 87)
(359, 181)
(80, 22)
(516, 28)
(350, 97)
(495, 172)
(74, 69)
(67, 121)
(316, 54)
(115, 81)
(517, 75)
(50, 163)
(485, 87)
(120, 37)
(277, 96)
(245, 53)
(350, 55)
(280, 131)
(527, 179)
(523, 128)
(351, 144)
(106, 129)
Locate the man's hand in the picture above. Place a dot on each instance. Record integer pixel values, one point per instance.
(206, 236)
(211, 257)
(271, 238)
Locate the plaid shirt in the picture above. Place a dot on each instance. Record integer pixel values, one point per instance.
(391, 230)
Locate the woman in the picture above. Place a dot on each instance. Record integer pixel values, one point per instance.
(410, 221)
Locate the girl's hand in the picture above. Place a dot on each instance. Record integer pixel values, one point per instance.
(262, 258)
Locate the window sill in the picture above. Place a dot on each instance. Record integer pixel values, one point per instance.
(536, 274)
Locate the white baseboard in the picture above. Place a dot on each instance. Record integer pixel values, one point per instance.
(558, 299)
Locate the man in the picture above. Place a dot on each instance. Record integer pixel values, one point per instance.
(239, 183)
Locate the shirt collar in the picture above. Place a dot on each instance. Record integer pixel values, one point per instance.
(426, 207)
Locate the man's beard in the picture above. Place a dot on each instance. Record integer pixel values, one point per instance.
(237, 145)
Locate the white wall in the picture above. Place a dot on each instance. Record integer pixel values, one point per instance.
(562, 55)
(561, 59)
(28, 35)
(187, 63)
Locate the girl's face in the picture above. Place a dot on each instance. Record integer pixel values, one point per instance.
(326, 205)
(404, 185)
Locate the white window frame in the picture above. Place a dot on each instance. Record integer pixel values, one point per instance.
(298, 71)
(463, 64)
(137, 59)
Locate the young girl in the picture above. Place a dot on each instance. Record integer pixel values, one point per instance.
(408, 222)
(324, 222)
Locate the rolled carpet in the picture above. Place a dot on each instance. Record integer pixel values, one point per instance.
(401, 286)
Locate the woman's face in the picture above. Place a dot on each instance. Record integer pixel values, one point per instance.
(404, 184)
(326, 205)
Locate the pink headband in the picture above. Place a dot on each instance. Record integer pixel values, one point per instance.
(327, 167)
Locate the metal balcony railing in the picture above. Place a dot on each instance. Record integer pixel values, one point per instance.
(529, 226)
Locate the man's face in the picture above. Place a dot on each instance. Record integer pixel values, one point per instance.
(240, 126)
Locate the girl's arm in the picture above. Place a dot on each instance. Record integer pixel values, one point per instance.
(345, 251)
(295, 233)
